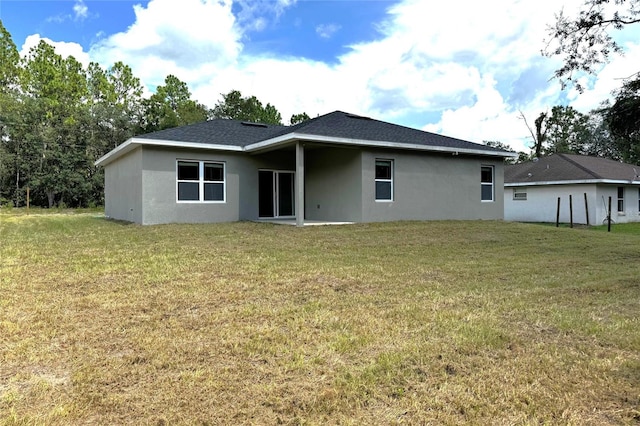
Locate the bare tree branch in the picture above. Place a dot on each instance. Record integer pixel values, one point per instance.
(585, 42)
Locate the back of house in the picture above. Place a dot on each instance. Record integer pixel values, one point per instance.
(338, 167)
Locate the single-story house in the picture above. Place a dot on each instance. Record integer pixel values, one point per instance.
(532, 189)
(337, 167)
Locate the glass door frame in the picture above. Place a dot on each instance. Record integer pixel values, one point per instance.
(276, 193)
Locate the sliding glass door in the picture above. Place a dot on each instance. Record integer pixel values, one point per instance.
(276, 193)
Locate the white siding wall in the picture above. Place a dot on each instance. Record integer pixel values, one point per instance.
(542, 201)
(630, 213)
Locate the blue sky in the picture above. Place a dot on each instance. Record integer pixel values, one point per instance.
(466, 69)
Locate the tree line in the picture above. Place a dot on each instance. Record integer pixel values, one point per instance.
(57, 118)
(584, 42)
(611, 131)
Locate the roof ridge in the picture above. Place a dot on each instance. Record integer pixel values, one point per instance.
(578, 165)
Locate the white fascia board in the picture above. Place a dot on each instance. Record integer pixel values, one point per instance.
(133, 143)
(574, 182)
(117, 152)
(292, 137)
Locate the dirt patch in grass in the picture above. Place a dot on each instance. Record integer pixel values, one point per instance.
(399, 323)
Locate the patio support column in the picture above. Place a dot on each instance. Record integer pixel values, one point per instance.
(299, 196)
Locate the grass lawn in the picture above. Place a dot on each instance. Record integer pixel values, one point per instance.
(400, 323)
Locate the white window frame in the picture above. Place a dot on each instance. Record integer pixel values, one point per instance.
(490, 184)
(620, 203)
(390, 181)
(638, 200)
(201, 182)
(519, 194)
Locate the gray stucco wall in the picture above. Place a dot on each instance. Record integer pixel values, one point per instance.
(159, 182)
(430, 186)
(123, 188)
(339, 186)
(241, 173)
(333, 184)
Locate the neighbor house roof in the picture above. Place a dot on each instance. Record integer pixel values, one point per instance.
(335, 128)
(557, 169)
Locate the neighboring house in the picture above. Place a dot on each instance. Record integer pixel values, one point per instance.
(337, 167)
(531, 190)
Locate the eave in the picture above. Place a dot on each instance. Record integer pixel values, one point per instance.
(302, 137)
(134, 143)
(574, 182)
(289, 138)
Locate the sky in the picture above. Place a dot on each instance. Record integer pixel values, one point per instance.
(467, 69)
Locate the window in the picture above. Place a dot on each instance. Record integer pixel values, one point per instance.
(384, 180)
(620, 198)
(520, 194)
(486, 183)
(638, 200)
(200, 181)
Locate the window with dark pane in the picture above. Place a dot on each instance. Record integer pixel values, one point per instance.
(383, 169)
(384, 180)
(621, 198)
(188, 191)
(213, 172)
(486, 183)
(188, 170)
(200, 181)
(214, 192)
(486, 175)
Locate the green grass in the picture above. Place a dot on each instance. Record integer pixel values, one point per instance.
(622, 228)
(400, 323)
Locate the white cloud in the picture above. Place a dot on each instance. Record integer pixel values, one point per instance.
(80, 10)
(80, 13)
(610, 78)
(474, 66)
(327, 31)
(188, 39)
(64, 49)
(255, 15)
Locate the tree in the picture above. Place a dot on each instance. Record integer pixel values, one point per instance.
(299, 118)
(9, 61)
(599, 141)
(55, 106)
(623, 120)
(171, 106)
(113, 116)
(504, 147)
(540, 134)
(584, 42)
(235, 107)
(567, 130)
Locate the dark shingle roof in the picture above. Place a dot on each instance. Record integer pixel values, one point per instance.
(218, 131)
(337, 124)
(344, 125)
(569, 167)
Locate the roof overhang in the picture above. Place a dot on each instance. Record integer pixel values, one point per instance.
(302, 137)
(289, 138)
(575, 182)
(134, 143)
